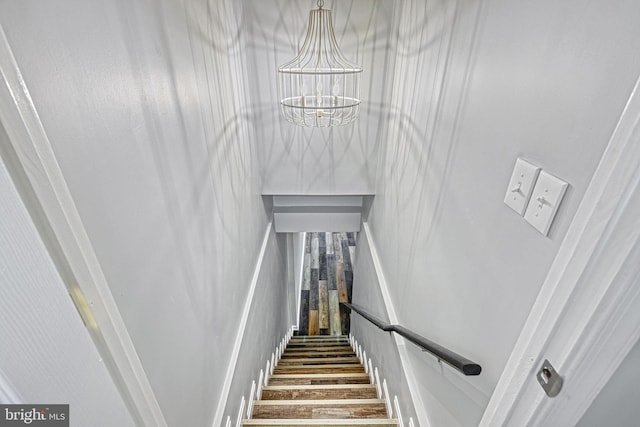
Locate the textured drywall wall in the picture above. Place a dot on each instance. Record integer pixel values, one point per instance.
(476, 85)
(145, 108)
(47, 355)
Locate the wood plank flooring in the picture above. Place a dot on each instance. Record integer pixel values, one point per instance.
(327, 281)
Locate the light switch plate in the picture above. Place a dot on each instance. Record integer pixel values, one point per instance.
(545, 200)
(521, 185)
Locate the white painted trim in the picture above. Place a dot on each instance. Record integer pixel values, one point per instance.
(86, 281)
(299, 283)
(263, 380)
(399, 342)
(252, 399)
(267, 373)
(260, 385)
(239, 418)
(396, 404)
(381, 387)
(387, 398)
(587, 315)
(233, 362)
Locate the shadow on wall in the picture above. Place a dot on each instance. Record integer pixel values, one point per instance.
(216, 153)
(324, 161)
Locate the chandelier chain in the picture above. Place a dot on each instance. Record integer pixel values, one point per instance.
(320, 4)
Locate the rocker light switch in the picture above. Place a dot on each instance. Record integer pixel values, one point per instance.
(545, 200)
(521, 185)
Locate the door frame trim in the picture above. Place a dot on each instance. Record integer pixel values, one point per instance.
(586, 317)
(52, 208)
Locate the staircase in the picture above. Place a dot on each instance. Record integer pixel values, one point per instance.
(319, 381)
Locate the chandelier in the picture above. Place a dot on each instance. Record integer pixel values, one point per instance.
(320, 87)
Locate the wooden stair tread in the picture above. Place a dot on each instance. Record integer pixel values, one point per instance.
(352, 374)
(331, 365)
(317, 355)
(336, 352)
(313, 387)
(310, 369)
(327, 345)
(319, 338)
(319, 378)
(323, 402)
(317, 360)
(319, 344)
(318, 349)
(321, 422)
(320, 392)
(328, 408)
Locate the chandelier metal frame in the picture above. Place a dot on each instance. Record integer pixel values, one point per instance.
(320, 87)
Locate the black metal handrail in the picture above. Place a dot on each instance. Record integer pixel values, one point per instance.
(453, 359)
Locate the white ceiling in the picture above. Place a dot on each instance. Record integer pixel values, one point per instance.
(293, 214)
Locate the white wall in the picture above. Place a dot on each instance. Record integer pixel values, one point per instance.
(298, 160)
(268, 322)
(379, 345)
(475, 86)
(144, 105)
(47, 355)
(617, 403)
(166, 147)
